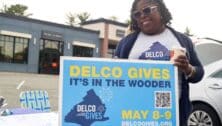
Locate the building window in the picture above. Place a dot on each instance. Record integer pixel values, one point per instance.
(120, 33)
(13, 49)
(81, 51)
(50, 52)
(111, 50)
(51, 44)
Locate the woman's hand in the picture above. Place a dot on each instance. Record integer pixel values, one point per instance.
(183, 64)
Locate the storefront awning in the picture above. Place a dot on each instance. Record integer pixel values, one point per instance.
(84, 44)
(16, 34)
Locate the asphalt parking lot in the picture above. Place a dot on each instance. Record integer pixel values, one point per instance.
(10, 83)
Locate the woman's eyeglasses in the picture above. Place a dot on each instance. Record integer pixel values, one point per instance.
(146, 11)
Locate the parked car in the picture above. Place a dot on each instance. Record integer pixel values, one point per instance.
(206, 97)
(208, 51)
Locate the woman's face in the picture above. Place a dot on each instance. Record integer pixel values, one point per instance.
(148, 17)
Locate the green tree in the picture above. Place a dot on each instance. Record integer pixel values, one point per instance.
(113, 18)
(71, 19)
(128, 21)
(17, 9)
(83, 17)
(4, 8)
(188, 32)
(77, 19)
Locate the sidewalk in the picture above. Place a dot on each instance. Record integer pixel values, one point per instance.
(10, 81)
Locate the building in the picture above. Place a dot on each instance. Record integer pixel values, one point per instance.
(111, 32)
(34, 46)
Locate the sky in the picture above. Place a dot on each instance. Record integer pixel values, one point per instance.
(202, 17)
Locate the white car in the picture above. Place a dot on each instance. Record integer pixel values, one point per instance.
(206, 97)
(208, 51)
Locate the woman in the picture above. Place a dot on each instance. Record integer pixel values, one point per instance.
(152, 39)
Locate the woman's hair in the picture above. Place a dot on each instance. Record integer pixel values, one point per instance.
(164, 13)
